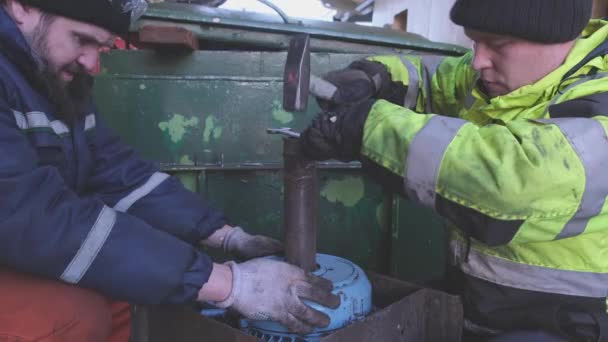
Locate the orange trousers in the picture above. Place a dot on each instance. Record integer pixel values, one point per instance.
(37, 309)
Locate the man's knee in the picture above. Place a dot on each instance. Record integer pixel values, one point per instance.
(33, 308)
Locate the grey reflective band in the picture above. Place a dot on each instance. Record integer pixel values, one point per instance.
(431, 64)
(413, 87)
(89, 122)
(322, 88)
(39, 120)
(576, 83)
(469, 100)
(426, 83)
(425, 155)
(90, 247)
(154, 181)
(20, 119)
(528, 277)
(377, 79)
(588, 138)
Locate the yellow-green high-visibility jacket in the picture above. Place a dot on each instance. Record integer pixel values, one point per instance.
(524, 178)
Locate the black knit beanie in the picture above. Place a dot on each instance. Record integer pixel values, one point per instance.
(543, 21)
(113, 15)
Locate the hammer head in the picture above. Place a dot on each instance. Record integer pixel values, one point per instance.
(296, 79)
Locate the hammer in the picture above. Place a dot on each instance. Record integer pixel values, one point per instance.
(297, 79)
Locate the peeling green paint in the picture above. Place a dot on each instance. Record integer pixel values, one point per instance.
(189, 180)
(279, 114)
(177, 126)
(348, 191)
(142, 87)
(185, 160)
(211, 129)
(217, 132)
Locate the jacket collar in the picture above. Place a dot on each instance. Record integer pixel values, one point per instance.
(524, 103)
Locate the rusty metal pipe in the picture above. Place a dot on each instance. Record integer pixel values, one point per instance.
(300, 206)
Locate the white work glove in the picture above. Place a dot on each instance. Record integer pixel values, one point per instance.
(246, 246)
(264, 289)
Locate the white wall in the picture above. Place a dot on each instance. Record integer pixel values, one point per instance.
(428, 18)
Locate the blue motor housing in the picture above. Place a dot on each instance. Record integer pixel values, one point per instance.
(350, 283)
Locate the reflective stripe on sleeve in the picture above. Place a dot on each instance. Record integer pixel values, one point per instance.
(91, 246)
(589, 140)
(425, 155)
(413, 87)
(154, 181)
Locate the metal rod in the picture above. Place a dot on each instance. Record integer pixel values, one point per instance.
(301, 206)
(286, 131)
(239, 167)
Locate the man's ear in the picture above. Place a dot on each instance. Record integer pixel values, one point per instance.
(26, 17)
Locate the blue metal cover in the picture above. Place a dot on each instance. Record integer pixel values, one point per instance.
(350, 283)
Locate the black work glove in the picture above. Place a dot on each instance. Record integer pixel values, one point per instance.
(336, 134)
(357, 83)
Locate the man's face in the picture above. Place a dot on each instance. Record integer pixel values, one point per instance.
(507, 63)
(67, 52)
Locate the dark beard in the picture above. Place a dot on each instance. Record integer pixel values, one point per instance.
(70, 100)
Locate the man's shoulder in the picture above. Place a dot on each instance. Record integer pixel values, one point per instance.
(17, 91)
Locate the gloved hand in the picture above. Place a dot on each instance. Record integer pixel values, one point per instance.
(246, 246)
(336, 134)
(264, 289)
(360, 81)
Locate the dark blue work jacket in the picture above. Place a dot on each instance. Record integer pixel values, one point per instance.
(77, 204)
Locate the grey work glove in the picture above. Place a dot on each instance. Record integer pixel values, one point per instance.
(264, 289)
(360, 81)
(246, 246)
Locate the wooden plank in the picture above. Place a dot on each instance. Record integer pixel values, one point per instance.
(164, 36)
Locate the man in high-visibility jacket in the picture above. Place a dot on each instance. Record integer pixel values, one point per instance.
(509, 144)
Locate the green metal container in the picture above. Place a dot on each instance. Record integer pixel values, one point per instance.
(202, 115)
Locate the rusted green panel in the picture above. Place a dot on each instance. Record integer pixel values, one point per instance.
(346, 228)
(207, 107)
(213, 18)
(202, 116)
(419, 242)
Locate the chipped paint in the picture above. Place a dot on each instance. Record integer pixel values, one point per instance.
(348, 191)
(217, 132)
(211, 129)
(185, 160)
(142, 87)
(279, 114)
(177, 126)
(189, 180)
